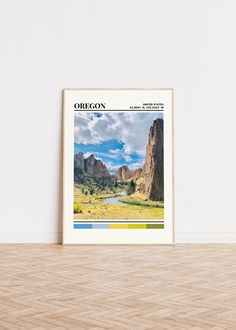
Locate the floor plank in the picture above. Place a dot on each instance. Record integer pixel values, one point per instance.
(186, 286)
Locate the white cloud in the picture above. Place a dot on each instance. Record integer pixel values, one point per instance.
(129, 127)
(127, 158)
(87, 154)
(101, 154)
(116, 151)
(134, 166)
(112, 168)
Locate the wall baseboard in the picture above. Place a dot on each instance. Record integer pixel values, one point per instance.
(205, 238)
(30, 237)
(57, 238)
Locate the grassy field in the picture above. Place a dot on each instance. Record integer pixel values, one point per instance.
(92, 207)
(135, 201)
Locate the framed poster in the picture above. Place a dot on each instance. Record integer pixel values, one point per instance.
(118, 166)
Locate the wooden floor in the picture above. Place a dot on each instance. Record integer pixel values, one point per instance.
(117, 287)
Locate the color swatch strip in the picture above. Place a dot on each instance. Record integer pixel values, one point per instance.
(119, 226)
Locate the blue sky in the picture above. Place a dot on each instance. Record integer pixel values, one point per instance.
(112, 154)
(115, 138)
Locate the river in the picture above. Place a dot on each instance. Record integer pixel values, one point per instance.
(114, 200)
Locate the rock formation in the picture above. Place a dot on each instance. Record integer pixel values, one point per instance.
(91, 166)
(123, 173)
(136, 174)
(79, 161)
(153, 172)
(95, 167)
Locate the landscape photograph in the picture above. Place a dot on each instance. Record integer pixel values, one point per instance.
(118, 166)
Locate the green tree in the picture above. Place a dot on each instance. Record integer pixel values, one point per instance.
(130, 187)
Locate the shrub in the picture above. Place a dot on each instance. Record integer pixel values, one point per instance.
(77, 208)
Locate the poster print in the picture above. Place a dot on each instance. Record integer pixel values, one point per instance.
(118, 178)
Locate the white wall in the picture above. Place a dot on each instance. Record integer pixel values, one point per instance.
(49, 45)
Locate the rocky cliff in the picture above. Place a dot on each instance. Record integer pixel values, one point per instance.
(136, 174)
(123, 173)
(91, 166)
(153, 171)
(79, 161)
(95, 167)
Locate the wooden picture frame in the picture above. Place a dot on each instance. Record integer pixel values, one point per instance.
(118, 142)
